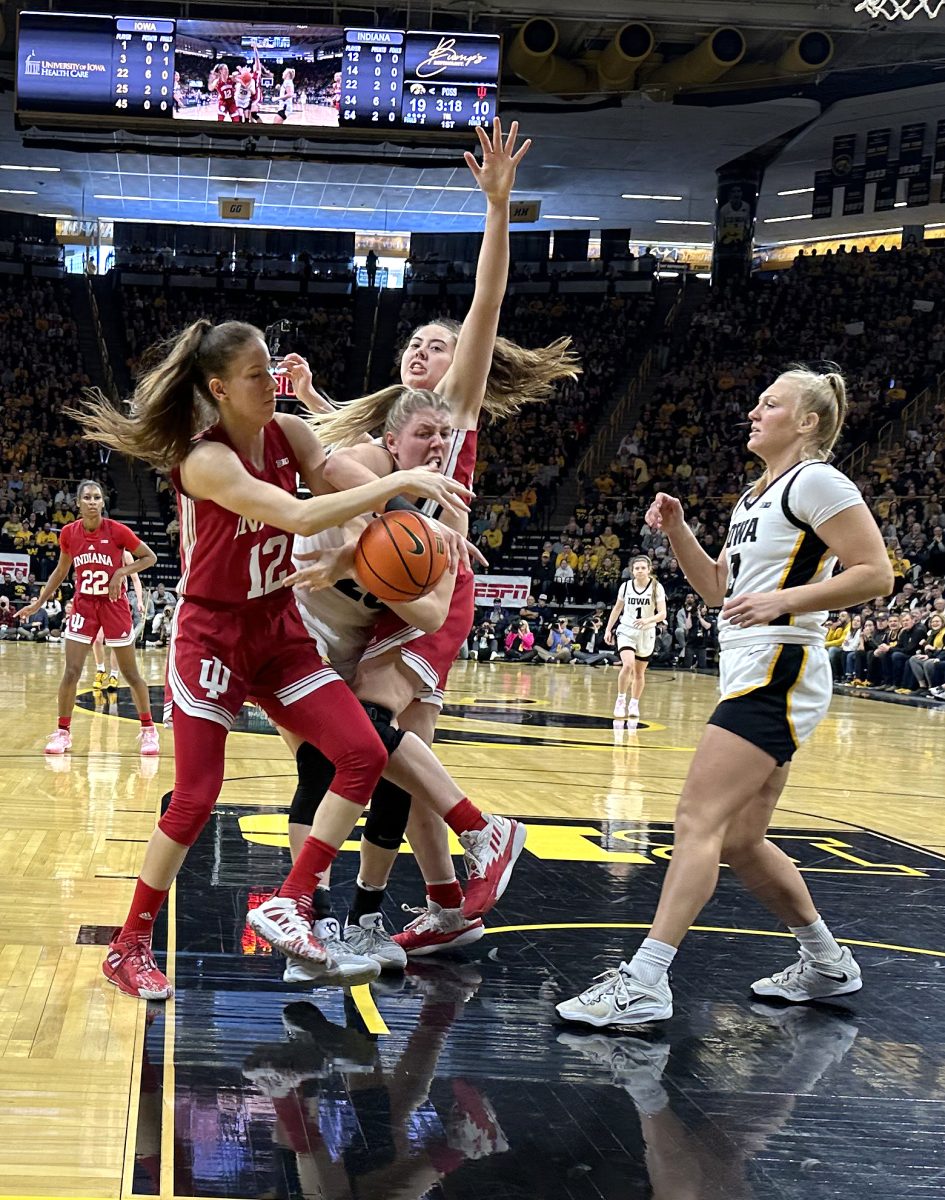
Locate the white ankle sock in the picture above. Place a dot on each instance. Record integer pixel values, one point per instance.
(652, 961)
(818, 941)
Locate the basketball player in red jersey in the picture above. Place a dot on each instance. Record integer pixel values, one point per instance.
(237, 631)
(221, 83)
(404, 671)
(94, 548)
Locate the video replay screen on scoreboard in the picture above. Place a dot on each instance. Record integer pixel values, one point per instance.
(236, 73)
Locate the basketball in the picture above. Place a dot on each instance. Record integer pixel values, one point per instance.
(246, 76)
(400, 556)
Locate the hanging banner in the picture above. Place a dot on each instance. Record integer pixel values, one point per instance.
(15, 566)
(885, 197)
(938, 164)
(841, 161)
(877, 153)
(919, 191)
(911, 145)
(822, 203)
(854, 193)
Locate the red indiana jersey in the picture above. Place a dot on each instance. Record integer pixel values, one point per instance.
(96, 555)
(225, 91)
(460, 465)
(227, 559)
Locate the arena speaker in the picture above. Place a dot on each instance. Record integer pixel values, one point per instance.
(617, 65)
(531, 55)
(808, 53)
(714, 57)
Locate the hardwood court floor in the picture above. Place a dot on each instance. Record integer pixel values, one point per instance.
(99, 1099)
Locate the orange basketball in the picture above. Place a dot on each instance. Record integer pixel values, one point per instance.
(246, 77)
(400, 556)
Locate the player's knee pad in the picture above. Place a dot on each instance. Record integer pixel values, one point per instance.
(386, 820)
(316, 775)
(381, 719)
(186, 815)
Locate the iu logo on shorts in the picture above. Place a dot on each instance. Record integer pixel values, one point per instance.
(214, 677)
(75, 622)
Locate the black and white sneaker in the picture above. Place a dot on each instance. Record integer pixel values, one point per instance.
(808, 979)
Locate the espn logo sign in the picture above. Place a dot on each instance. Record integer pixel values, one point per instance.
(524, 211)
(233, 208)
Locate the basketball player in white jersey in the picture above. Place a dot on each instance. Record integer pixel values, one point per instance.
(286, 97)
(640, 606)
(776, 578)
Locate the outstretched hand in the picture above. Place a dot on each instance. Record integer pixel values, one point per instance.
(496, 174)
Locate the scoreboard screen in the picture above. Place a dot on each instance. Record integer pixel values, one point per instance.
(149, 69)
(95, 65)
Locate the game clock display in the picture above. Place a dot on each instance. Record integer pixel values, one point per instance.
(71, 66)
(435, 80)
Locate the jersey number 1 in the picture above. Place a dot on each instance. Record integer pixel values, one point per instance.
(259, 586)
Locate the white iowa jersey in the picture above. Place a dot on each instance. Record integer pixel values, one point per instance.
(772, 544)
(340, 618)
(638, 605)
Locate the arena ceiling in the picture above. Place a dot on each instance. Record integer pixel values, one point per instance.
(596, 158)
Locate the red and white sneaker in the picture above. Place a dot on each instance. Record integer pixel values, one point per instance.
(148, 740)
(472, 1126)
(130, 966)
(282, 923)
(438, 928)
(59, 742)
(490, 856)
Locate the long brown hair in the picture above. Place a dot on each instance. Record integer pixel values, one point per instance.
(517, 376)
(824, 394)
(172, 401)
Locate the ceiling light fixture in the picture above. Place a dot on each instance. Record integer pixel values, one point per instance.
(644, 196)
(552, 217)
(15, 167)
(17, 192)
(796, 217)
(901, 204)
(796, 191)
(667, 221)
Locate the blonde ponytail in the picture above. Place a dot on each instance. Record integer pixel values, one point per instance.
(824, 394)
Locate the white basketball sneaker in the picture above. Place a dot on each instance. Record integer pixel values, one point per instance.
(616, 998)
(350, 969)
(620, 708)
(808, 979)
(371, 939)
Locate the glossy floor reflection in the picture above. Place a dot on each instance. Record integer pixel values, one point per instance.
(475, 1089)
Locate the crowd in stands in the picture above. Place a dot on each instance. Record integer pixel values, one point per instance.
(41, 455)
(321, 333)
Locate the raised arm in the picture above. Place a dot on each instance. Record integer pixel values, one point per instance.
(708, 576)
(464, 384)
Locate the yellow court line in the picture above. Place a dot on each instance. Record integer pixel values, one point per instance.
(364, 1000)
(706, 929)
(169, 1093)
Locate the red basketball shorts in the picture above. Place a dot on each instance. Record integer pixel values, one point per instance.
(92, 613)
(429, 655)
